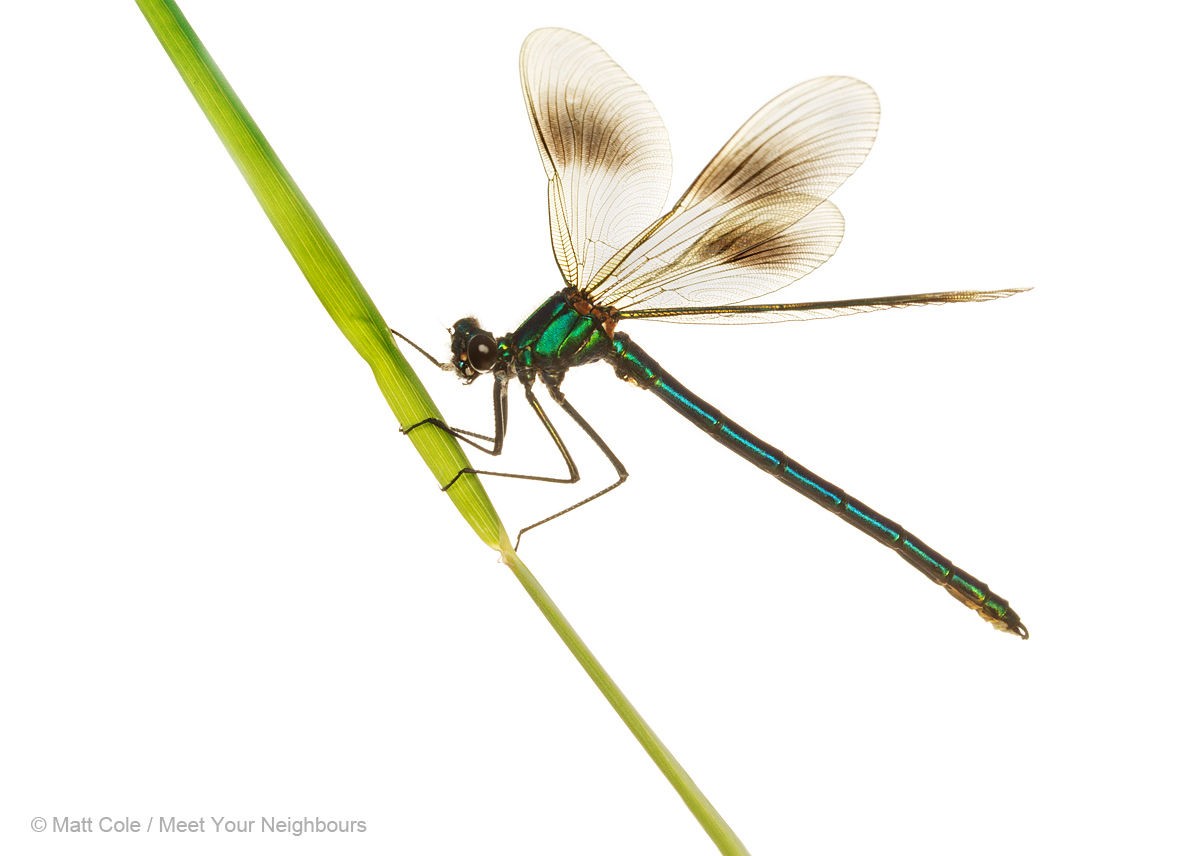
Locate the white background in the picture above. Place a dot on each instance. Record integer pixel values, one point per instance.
(232, 589)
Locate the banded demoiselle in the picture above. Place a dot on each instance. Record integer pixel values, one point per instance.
(757, 219)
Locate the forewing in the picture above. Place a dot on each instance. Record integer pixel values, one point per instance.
(603, 146)
(740, 232)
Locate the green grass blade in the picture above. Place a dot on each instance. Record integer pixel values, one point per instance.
(355, 314)
(321, 262)
(711, 821)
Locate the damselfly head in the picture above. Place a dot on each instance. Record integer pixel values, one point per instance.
(473, 350)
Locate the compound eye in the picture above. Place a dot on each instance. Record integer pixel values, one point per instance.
(481, 352)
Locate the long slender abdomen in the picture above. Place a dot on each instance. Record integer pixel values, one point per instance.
(636, 366)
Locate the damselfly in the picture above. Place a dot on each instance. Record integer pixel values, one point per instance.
(758, 218)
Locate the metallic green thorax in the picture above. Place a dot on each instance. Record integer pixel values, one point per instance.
(557, 337)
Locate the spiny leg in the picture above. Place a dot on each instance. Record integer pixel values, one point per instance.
(419, 349)
(573, 471)
(622, 474)
(555, 393)
(499, 408)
